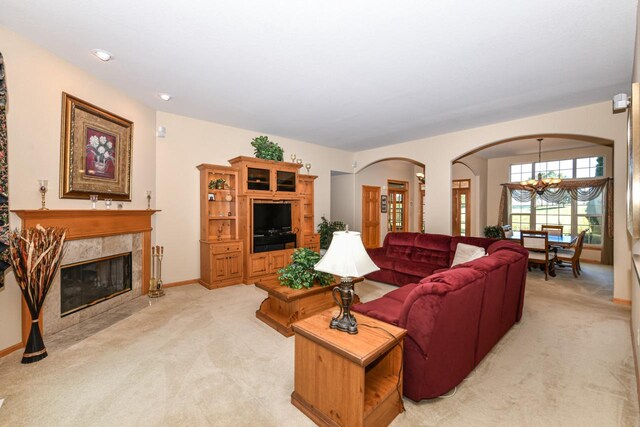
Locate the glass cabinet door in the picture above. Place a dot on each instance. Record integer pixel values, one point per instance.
(258, 179)
(286, 181)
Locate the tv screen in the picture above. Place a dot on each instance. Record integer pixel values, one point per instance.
(271, 217)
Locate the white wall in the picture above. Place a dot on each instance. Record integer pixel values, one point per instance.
(343, 203)
(35, 82)
(377, 175)
(438, 152)
(190, 142)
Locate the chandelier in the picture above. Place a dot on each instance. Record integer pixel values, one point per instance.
(540, 185)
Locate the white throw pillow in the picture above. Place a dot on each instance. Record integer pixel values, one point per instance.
(466, 253)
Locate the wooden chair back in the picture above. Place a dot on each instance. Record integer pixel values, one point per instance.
(507, 233)
(579, 244)
(535, 240)
(555, 230)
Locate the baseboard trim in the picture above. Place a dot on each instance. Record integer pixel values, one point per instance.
(182, 283)
(11, 349)
(620, 301)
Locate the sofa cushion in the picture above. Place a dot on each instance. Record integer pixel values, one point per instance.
(385, 309)
(401, 294)
(414, 268)
(382, 261)
(465, 253)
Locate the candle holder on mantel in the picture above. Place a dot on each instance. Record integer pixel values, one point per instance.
(43, 183)
(148, 200)
(155, 284)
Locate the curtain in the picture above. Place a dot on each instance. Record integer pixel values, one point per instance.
(4, 177)
(582, 190)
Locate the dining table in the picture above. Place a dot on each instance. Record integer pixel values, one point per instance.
(564, 240)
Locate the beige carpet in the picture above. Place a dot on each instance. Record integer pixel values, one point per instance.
(198, 357)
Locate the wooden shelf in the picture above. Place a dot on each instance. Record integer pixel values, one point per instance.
(222, 217)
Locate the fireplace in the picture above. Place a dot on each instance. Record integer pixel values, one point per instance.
(87, 283)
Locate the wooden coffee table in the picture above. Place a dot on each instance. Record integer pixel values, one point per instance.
(348, 380)
(284, 305)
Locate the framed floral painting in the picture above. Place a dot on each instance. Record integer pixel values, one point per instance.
(96, 152)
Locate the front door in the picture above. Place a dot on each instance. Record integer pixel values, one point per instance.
(370, 216)
(461, 207)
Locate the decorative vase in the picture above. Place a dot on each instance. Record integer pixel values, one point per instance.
(35, 349)
(36, 253)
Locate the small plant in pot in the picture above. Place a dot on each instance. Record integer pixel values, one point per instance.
(300, 273)
(326, 229)
(267, 150)
(217, 184)
(493, 231)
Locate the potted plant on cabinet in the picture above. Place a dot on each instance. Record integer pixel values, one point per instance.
(267, 150)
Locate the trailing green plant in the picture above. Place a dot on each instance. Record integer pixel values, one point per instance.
(326, 229)
(265, 149)
(493, 231)
(300, 273)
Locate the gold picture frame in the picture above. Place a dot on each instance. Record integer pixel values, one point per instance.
(633, 163)
(95, 154)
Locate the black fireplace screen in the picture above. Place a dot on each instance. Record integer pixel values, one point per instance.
(88, 283)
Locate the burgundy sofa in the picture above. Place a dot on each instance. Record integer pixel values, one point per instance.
(454, 316)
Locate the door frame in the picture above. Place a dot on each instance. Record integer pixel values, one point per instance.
(459, 188)
(406, 204)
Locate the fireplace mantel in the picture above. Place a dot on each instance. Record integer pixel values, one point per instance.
(86, 224)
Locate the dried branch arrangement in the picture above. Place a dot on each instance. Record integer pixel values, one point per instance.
(36, 254)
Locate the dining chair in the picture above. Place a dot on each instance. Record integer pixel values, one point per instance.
(507, 232)
(572, 254)
(537, 243)
(555, 230)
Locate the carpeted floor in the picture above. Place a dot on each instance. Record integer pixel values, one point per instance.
(198, 357)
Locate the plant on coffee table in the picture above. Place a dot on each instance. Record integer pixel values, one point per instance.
(300, 273)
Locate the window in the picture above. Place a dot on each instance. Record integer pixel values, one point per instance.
(573, 215)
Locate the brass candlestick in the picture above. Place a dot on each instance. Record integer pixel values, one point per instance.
(155, 283)
(43, 183)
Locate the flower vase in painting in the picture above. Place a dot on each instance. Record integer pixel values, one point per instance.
(100, 154)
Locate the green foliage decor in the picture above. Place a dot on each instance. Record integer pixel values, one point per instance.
(326, 229)
(217, 184)
(300, 273)
(493, 231)
(267, 150)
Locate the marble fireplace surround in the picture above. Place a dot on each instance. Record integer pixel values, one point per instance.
(93, 227)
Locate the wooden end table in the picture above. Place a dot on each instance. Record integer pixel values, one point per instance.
(284, 306)
(348, 380)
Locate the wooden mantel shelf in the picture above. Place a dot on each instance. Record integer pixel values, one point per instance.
(89, 223)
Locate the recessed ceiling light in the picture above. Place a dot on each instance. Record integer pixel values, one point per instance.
(165, 96)
(103, 55)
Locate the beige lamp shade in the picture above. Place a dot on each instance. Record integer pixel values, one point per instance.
(346, 256)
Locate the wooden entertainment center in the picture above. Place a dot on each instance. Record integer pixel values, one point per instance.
(229, 251)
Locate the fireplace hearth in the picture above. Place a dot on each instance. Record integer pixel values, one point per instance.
(87, 283)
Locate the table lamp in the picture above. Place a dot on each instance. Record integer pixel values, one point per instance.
(347, 258)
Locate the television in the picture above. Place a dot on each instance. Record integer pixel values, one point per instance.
(271, 218)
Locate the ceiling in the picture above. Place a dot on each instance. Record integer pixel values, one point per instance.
(530, 146)
(351, 74)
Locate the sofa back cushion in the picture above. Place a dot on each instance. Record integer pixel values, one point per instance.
(432, 249)
(400, 245)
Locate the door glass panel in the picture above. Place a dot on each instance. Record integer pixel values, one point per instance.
(463, 214)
